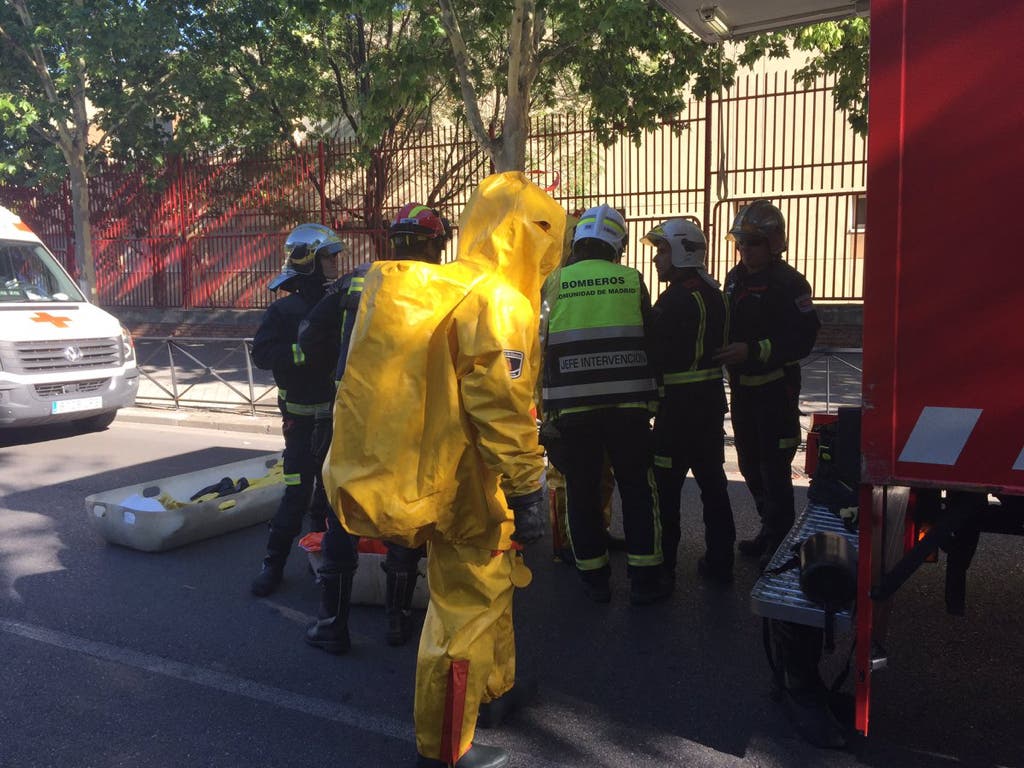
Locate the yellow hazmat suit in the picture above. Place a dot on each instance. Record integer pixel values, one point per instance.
(438, 432)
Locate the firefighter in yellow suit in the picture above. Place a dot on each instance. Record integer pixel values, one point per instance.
(440, 446)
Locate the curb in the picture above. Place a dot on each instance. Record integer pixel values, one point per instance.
(202, 419)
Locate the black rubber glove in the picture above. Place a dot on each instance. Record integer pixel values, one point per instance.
(531, 515)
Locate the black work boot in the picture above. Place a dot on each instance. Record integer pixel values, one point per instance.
(269, 579)
(478, 756)
(331, 631)
(598, 584)
(398, 606)
(714, 571)
(646, 585)
(493, 713)
(771, 546)
(330, 588)
(754, 547)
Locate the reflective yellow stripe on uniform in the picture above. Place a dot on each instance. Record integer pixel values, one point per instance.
(688, 377)
(656, 557)
(298, 356)
(702, 328)
(665, 462)
(593, 563)
(643, 561)
(789, 442)
(650, 407)
(356, 286)
(319, 410)
(765, 346)
(295, 479)
(749, 380)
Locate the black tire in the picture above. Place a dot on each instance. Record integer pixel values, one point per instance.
(97, 423)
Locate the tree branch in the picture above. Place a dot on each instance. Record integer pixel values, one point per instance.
(37, 61)
(461, 55)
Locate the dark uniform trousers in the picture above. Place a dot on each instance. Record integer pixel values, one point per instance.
(303, 487)
(625, 435)
(339, 548)
(766, 423)
(688, 435)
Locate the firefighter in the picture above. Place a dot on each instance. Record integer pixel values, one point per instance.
(417, 233)
(772, 326)
(687, 327)
(454, 350)
(304, 390)
(598, 390)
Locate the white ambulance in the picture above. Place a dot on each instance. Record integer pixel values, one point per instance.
(61, 358)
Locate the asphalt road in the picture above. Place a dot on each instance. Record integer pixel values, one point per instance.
(113, 657)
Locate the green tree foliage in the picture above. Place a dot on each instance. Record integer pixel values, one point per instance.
(629, 61)
(80, 81)
(83, 80)
(259, 73)
(836, 48)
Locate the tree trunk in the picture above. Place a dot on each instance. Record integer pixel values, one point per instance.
(510, 153)
(83, 229)
(510, 148)
(373, 199)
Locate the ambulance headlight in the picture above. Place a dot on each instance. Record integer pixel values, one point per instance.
(127, 345)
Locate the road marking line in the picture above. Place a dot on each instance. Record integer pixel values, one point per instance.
(239, 686)
(219, 681)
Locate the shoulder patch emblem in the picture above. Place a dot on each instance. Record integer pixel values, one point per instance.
(514, 358)
(805, 303)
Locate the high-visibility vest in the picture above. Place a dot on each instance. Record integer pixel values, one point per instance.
(596, 355)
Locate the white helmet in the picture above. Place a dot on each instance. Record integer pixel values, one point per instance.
(689, 247)
(602, 223)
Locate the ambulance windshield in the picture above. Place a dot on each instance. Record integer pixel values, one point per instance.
(29, 273)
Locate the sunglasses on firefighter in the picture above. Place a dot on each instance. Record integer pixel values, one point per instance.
(750, 242)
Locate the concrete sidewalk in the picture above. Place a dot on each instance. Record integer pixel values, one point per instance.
(267, 423)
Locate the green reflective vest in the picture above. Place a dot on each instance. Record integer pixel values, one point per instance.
(596, 355)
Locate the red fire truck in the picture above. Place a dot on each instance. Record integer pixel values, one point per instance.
(942, 421)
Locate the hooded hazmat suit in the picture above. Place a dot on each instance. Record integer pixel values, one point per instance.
(436, 399)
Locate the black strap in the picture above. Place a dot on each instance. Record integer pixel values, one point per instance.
(766, 636)
(791, 564)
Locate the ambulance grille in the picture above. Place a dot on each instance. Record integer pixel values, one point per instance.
(72, 387)
(65, 355)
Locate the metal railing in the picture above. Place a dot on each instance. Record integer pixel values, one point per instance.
(831, 378)
(838, 355)
(203, 372)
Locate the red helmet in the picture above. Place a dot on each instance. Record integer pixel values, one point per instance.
(419, 222)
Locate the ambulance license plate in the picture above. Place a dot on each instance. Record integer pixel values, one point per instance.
(78, 404)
